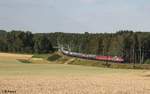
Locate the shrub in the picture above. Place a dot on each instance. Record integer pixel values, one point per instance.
(24, 61)
(54, 57)
(147, 61)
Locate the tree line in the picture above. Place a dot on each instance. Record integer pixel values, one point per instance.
(24, 42)
(134, 47)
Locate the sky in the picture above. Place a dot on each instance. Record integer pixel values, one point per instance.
(75, 16)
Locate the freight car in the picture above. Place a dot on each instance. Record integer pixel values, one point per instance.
(93, 57)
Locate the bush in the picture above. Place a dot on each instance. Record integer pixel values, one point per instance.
(24, 61)
(147, 61)
(54, 57)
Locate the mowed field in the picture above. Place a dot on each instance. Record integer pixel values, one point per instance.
(21, 78)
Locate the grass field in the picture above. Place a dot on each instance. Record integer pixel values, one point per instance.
(21, 78)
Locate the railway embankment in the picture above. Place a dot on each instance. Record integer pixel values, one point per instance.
(60, 58)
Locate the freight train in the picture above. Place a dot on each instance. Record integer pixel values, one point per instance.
(93, 57)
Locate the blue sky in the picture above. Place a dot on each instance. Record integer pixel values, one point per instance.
(75, 15)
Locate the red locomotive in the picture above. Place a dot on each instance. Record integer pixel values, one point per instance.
(110, 58)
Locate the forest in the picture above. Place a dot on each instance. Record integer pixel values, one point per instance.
(134, 47)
